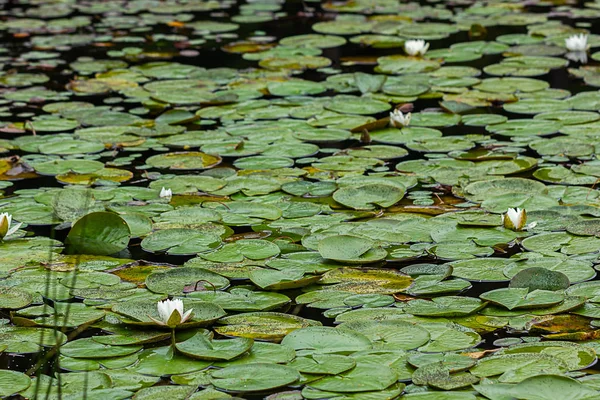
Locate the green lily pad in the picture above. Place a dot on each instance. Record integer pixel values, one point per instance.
(100, 233)
(180, 280)
(200, 347)
(390, 335)
(363, 378)
(180, 241)
(366, 280)
(511, 366)
(253, 249)
(517, 298)
(367, 197)
(348, 248)
(524, 128)
(14, 298)
(323, 364)
(482, 269)
(447, 306)
(184, 161)
(437, 375)
(539, 387)
(57, 167)
(574, 270)
(88, 348)
(254, 377)
(12, 382)
(539, 279)
(356, 105)
(240, 299)
(324, 340)
(161, 361)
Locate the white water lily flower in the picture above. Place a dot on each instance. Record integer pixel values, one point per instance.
(577, 42)
(5, 228)
(166, 193)
(416, 47)
(171, 313)
(398, 119)
(514, 219)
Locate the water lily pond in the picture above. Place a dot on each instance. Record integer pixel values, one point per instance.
(287, 200)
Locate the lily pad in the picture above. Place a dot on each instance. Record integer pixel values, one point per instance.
(184, 279)
(254, 377)
(367, 197)
(515, 298)
(200, 347)
(100, 233)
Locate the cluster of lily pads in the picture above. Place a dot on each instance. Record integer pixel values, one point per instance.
(388, 200)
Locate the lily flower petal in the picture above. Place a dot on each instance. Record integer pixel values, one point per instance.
(399, 120)
(577, 42)
(5, 225)
(165, 193)
(514, 219)
(416, 47)
(171, 313)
